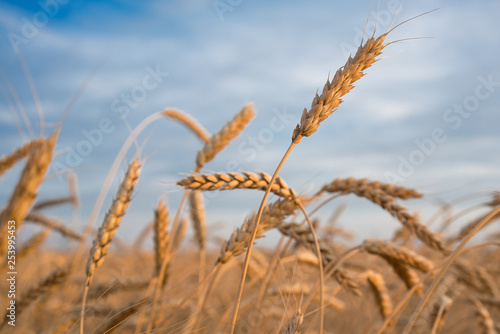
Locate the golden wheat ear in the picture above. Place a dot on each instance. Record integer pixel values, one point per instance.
(109, 226)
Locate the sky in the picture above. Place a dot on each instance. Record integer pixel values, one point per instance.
(425, 116)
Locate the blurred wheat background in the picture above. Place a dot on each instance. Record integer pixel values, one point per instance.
(423, 123)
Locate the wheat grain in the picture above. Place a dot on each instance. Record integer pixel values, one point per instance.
(378, 286)
(160, 236)
(233, 180)
(220, 140)
(331, 97)
(112, 219)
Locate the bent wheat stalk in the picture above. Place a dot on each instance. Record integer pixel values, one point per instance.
(213, 146)
(322, 106)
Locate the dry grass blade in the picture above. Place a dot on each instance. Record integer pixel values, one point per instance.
(295, 324)
(52, 202)
(470, 226)
(189, 122)
(233, 180)
(324, 105)
(7, 161)
(53, 224)
(220, 140)
(180, 234)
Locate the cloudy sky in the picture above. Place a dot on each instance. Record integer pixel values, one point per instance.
(425, 116)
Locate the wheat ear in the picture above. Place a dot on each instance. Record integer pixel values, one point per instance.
(160, 236)
(109, 227)
(232, 180)
(219, 140)
(7, 161)
(391, 252)
(325, 104)
(381, 292)
(189, 122)
(210, 149)
(363, 186)
(321, 107)
(26, 189)
(388, 203)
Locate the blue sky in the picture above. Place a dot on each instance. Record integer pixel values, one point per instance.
(425, 116)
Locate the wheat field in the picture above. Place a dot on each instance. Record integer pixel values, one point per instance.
(423, 279)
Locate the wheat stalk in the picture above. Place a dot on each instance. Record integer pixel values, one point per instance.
(220, 140)
(197, 212)
(53, 224)
(109, 227)
(189, 122)
(233, 180)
